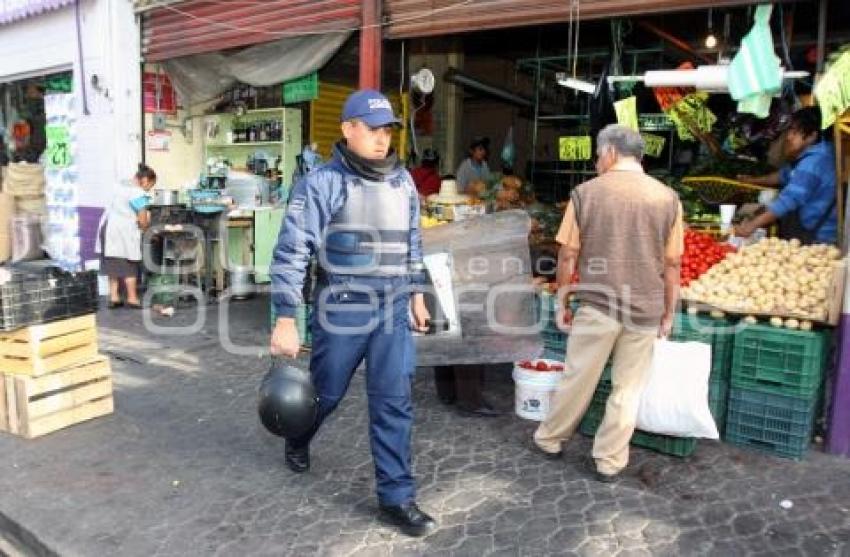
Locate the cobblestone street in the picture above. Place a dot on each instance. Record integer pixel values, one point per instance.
(184, 468)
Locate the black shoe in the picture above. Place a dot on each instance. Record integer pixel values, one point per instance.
(115, 305)
(297, 459)
(484, 410)
(590, 466)
(546, 454)
(447, 400)
(408, 518)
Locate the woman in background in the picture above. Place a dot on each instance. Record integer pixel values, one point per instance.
(120, 237)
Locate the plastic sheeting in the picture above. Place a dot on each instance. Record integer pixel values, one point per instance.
(493, 291)
(203, 77)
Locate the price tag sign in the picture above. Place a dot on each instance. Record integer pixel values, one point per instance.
(627, 115)
(654, 144)
(574, 148)
(58, 146)
(832, 91)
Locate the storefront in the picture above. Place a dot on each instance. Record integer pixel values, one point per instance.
(70, 104)
(238, 101)
(541, 110)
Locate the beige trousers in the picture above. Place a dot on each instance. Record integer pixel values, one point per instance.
(593, 337)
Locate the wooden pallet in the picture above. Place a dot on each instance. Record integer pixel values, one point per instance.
(41, 349)
(34, 406)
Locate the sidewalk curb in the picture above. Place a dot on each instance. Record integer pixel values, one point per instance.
(15, 541)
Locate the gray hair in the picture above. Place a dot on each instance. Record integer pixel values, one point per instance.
(625, 141)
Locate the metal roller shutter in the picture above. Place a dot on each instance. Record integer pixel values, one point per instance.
(325, 111)
(196, 26)
(420, 18)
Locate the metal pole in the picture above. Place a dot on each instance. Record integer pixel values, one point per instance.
(532, 177)
(370, 45)
(821, 33)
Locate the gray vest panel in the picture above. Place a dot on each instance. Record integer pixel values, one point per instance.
(370, 235)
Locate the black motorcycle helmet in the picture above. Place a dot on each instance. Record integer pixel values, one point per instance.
(288, 405)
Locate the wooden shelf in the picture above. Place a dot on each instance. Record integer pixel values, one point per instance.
(246, 144)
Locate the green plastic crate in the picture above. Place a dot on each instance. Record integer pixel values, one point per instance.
(718, 401)
(718, 333)
(675, 446)
(780, 361)
(777, 424)
(554, 341)
(163, 288)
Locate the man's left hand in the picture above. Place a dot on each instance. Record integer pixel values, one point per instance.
(666, 326)
(421, 315)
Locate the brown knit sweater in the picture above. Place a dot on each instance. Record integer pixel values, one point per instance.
(625, 219)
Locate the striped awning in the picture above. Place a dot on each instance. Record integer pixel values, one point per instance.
(14, 10)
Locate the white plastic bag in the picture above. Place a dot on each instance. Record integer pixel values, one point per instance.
(675, 399)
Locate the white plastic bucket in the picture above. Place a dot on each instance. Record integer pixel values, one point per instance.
(534, 389)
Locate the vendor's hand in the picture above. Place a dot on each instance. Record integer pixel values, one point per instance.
(285, 341)
(666, 326)
(421, 315)
(744, 230)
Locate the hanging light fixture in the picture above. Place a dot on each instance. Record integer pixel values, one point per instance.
(710, 39)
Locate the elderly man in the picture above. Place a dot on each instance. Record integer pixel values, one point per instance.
(623, 230)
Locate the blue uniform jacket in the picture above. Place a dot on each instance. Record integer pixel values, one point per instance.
(808, 186)
(315, 200)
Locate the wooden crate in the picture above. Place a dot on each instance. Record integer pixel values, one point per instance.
(40, 349)
(34, 406)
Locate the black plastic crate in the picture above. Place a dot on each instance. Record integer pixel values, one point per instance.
(30, 298)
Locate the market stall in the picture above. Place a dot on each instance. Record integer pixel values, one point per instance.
(768, 307)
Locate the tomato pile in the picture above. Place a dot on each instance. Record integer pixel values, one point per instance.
(701, 253)
(540, 365)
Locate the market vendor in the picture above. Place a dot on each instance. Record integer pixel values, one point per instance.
(805, 207)
(119, 240)
(474, 167)
(426, 176)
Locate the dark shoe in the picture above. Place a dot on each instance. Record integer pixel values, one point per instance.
(447, 400)
(134, 306)
(484, 410)
(297, 459)
(590, 466)
(546, 454)
(115, 305)
(408, 518)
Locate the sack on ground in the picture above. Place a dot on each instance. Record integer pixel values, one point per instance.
(675, 399)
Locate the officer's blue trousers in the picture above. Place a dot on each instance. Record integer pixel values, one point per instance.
(348, 327)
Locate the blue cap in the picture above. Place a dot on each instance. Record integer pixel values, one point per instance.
(371, 107)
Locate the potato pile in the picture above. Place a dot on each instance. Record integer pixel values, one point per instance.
(771, 277)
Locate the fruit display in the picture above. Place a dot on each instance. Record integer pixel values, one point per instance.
(773, 277)
(427, 221)
(540, 365)
(701, 253)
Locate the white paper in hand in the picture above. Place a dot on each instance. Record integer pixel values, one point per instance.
(675, 399)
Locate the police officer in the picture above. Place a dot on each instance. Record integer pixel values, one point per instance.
(359, 214)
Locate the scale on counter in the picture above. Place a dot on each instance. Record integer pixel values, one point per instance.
(440, 301)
